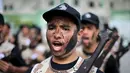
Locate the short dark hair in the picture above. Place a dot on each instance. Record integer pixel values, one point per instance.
(1, 19)
(8, 25)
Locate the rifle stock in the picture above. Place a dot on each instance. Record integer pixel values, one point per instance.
(100, 60)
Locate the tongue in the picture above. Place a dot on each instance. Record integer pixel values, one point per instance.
(85, 41)
(57, 48)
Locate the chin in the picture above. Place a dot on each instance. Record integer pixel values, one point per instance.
(58, 54)
(86, 44)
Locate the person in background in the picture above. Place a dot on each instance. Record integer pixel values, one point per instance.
(1, 28)
(23, 40)
(7, 33)
(11, 63)
(112, 63)
(90, 31)
(90, 40)
(35, 52)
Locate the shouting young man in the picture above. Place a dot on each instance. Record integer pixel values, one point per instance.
(63, 24)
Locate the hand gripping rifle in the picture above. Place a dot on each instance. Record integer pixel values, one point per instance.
(88, 63)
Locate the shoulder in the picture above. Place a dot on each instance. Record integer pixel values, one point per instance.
(41, 66)
(79, 50)
(46, 60)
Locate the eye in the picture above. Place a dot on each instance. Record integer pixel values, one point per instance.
(51, 26)
(65, 27)
(83, 27)
(89, 27)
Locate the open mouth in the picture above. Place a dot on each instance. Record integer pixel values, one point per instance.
(57, 43)
(85, 38)
(57, 46)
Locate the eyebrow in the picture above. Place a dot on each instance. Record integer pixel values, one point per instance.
(65, 25)
(50, 24)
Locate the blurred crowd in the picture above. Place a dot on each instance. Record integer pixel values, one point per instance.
(21, 50)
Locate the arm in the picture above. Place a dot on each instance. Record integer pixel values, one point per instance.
(8, 68)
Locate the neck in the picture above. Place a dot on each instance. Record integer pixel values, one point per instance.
(92, 48)
(72, 57)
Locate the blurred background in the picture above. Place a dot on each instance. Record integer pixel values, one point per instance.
(116, 13)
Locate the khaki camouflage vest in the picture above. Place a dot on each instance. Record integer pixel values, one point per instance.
(45, 67)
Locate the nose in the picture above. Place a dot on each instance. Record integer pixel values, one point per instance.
(58, 33)
(85, 31)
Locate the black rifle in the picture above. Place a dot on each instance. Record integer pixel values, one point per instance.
(88, 63)
(100, 59)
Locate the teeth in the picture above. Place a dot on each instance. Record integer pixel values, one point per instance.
(85, 37)
(57, 44)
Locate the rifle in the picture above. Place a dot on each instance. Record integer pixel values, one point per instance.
(88, 63)
(100, 60)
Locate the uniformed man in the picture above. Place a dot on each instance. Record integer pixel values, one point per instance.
(90, 40)
(90, 31)
(63, 24)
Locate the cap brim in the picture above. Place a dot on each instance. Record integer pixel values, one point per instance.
(50, 14)
(88, 21)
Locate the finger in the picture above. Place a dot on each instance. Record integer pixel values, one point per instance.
(2, 63)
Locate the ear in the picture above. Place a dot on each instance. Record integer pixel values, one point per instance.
(79, 36)
(97, 32)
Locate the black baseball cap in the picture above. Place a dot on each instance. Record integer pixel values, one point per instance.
(63, 10)
(1, 19)
(90, 18)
